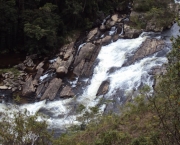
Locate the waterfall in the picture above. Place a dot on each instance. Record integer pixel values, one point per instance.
(110, 67)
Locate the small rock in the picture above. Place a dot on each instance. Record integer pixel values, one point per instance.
(61, 70)
(106, 40)
(115, 17)
(3, 87)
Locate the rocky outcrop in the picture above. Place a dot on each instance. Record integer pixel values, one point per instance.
(67, 92)
(87, 55)
(52, 89)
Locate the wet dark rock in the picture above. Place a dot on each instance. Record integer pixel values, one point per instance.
(67, 92)
(103, 89)
(115, 37)
(52, 89)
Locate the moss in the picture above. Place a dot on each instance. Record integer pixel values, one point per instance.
(13, 70)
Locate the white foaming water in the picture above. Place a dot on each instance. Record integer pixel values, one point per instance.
(177, 1)
(112, 31)
(112, 55)
(129, 77)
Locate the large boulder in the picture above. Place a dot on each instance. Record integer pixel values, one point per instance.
(28, 87)
(84, 67)
(85, 53)
(148, 47)
(52, 89)
(67, 92)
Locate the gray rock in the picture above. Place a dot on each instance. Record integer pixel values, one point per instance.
(67, 92)
(28, 87)
(52, 89)
(85, 53)
(39, 73)
(79, 67)
(148, 47)
(131, 32)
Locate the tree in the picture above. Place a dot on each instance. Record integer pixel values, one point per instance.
(21, 128)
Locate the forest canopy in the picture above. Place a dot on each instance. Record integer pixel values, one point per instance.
(37, 26)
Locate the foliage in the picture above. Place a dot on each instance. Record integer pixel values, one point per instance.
(21, 128)
(41, 26)
(155, 12)
(12, 70)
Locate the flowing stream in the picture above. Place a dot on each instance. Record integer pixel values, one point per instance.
(123, 80)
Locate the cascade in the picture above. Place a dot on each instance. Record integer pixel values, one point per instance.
(112, 66)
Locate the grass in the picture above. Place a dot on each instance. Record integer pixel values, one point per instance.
(13, 70)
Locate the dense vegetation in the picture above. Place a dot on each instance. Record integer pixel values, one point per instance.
(153, 14)
(37, 26)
